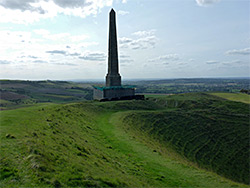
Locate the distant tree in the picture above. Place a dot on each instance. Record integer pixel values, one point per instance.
(245, 91)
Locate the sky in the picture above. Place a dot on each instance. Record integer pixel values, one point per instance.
(68, 39)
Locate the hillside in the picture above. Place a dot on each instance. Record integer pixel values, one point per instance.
(211, 132)
(21, 93)
(239, 97)
(18, 93)
(160, 142)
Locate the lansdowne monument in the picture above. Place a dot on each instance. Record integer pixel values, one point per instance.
(113, 88)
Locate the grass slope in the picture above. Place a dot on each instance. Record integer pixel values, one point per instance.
(239, 97)
(87, 145)
(206, 130)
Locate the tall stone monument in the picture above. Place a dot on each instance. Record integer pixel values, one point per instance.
(113, 89)
(113, 77)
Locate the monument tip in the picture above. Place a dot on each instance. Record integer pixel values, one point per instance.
(112, 10)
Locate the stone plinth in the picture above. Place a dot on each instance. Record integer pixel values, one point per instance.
(115, 92)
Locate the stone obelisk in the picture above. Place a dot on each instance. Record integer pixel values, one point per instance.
(113, 77)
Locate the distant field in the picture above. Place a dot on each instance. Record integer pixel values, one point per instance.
(4, 101)
(17, 93)
(155, 95)
(239, 97)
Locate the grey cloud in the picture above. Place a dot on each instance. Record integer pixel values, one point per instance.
(68, 64)
(206, 2)
(32, 57)
(29, 56)
(164, 58)
(238, 62)
(182, 63)
(124, 56)
(39, 61)
(95, 56)
(125, 40)
(74, 54)
(62, 52)
(22, 5)
(235, 63)
(72, 3)
(144, 41)
(125, 59)
(245, 51)
(212, 62)
(56, 52)
(5, 62)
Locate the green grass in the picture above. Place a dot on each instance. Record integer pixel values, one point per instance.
(93, 144)
(3, 102)
(155, 95)
(239, 97)
(208, 131)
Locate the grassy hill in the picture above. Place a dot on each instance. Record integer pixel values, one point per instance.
(239, 97)
(206, 130)
(18, 93)
(160, 142)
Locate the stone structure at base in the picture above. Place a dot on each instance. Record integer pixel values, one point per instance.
(113, 90)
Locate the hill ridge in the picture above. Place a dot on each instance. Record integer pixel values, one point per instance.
(86, 144)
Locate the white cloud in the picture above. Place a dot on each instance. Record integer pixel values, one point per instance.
(212, 62)
(78, 38)
(245, 51)
(235, 63)
(42, 32)
(206, 2)
(61, 36)
(28, 11)
(121, 12)
(125, 59)
(143, 40)
(144, 33)
(165, 58)
(125, 40)
(173, 59)
(93, 56)
(24, 48)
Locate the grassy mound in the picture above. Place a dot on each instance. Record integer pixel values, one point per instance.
(239, 97)
(56, 145)
(87, 144)
(211, 132)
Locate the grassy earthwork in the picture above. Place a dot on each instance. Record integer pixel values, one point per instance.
(189, 140)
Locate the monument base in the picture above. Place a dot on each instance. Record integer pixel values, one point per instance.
(113, 93)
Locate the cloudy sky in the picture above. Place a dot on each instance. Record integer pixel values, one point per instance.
(67, 39)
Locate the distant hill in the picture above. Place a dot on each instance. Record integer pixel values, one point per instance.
(17, 93)
(170, 141)
(20, 93)
(187, 85)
